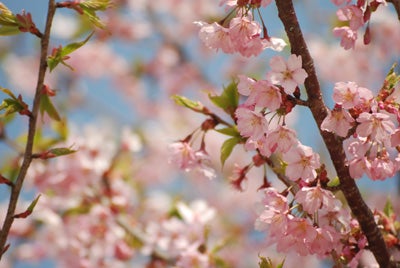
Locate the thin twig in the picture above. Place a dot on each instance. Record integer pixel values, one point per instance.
(44, 44)
(317, 106)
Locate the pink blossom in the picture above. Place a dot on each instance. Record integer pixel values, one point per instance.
(358, 166)
(288, 74)
(246, 85)
(250, 123)
(350, 95)
(377, 126)
(347, 35)
(315, 198)
(215, 36)
(274, 43)
(326, 240)
(299, 234)
(191, 257)
(395, 138)
(338, 121)
(182, 154)
(381, 168)
(280, 139)
(301, 163)
(353, 14)
(266, 95)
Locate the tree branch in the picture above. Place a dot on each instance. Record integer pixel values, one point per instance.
(335, 147)
(27, 158)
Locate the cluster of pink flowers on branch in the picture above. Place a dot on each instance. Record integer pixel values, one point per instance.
(241, 33)
(355, 16)
(313, 221)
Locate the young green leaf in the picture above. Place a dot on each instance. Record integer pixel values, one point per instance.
(227, 147)
(29, 210)
(60, 55)
(185, 102)
(47, 106)
(9, 30)
(388, 209)
(229, 131)
(228, 100)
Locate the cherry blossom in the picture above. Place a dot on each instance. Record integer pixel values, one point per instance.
(347, 35)
(338, 121)
(377, 126)
(315, 198)
(302, 163)
(288, 74)
(250, 123)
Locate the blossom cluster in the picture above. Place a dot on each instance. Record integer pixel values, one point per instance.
(370, 126)
(241, 33)
(355, 16)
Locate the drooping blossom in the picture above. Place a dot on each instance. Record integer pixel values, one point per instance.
(215, 36)
(288, 74)
(279, 140)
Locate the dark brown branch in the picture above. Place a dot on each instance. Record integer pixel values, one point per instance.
(27, 158)
(347, 185)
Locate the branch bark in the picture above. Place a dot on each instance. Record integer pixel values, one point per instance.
(318, 109)
(27, 158)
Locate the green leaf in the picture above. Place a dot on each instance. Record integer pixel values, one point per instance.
(61, 54)
(29, 210)
(9, 30)
(47, 106)
(10, 106)
(334, 182)
(61, 151)
(228, 100)
(281, 264)
(185, 102)
(8, 92)
(227, 147)
(33, 204)
(230, 131)
(93, 18)
(68, 49)
(388, 209)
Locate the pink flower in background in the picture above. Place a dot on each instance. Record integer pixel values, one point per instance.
(353, 14)
(288, 74)
(182, 154)
(347, 35)
(301, 163)
(338, 121)
(215, 36)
